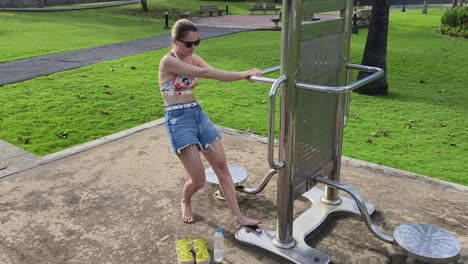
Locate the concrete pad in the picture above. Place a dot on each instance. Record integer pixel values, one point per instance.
(119, 203)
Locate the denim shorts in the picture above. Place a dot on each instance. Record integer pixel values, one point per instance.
(190, 126)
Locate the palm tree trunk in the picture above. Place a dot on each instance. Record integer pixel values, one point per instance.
(144, 5)
(375, 52)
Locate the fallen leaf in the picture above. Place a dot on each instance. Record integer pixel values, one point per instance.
(369, 141)
(373, 134)
(63, 135)
(104, 113)
(451, 134)
(24, 140)
(383, 132)
(436, 151)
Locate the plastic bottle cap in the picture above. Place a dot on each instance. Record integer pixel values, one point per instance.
(218, 230)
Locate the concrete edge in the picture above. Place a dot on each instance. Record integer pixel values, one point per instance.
(85, 146)
(51, 9)
(410, 176)
(250, 136)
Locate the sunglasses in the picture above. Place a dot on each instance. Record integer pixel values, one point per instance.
(189, 44)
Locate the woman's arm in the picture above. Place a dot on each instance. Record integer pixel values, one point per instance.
(175, 66)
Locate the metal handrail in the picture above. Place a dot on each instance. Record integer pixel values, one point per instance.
(377, 73)
(264, 79)
(271, 115)
(271, 130)
(260, 187)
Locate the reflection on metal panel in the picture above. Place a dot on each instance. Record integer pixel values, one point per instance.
(316, 111)
(316, 29)
(320, 6)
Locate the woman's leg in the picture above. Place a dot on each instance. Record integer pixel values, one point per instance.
(191, 160)
(215, 156)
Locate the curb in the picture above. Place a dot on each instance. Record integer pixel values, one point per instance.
(247, 135)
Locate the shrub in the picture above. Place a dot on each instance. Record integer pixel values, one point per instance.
(454, 22)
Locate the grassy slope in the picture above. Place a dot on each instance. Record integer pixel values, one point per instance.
(425, 112)
(28, 34)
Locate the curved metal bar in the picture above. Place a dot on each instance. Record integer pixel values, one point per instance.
(271, 130)
(272, 69)
(262, 185)
(361, 205)
(264, 79)
(377, 73)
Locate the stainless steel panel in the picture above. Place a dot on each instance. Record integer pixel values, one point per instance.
(316, 29)
(321, 62)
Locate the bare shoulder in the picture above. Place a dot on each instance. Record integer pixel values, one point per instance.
(165, 60)
(197, 60)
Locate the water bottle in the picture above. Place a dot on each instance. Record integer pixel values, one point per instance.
(218, 246)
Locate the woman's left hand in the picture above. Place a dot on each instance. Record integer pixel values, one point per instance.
(252, 72)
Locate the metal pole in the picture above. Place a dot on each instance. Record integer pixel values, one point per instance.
(166, 19)
(331, 194)
(290, 39)
(227, 7)
(355, 28)
(404, 6)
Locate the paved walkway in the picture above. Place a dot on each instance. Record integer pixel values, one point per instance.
(71, 8)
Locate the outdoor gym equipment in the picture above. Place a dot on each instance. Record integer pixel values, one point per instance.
(314, 82)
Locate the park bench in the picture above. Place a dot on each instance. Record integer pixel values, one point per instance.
(210, 10)
(276, 20)
(363, 16)
(187, 15)
(264, 7)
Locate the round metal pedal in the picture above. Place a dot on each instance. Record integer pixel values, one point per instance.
(427, 243)
(239, 175)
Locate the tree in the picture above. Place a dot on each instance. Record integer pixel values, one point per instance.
(375, 52)
(144, 5)
(454, 3)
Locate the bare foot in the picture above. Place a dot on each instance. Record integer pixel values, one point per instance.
(187, 216)
(244, 221)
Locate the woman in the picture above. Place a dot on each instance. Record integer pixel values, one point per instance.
(189, 129)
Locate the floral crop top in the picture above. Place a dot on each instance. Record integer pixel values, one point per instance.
(178, 85)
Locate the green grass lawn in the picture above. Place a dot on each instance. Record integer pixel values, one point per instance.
(31, 34)
(25, 35)
(423, 116)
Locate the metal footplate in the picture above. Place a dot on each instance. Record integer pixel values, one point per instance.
(305, 224)
(239, 176)
(300, 253)
(427, 243)
(319, 212)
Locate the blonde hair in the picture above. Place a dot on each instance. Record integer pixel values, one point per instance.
(181, 28)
